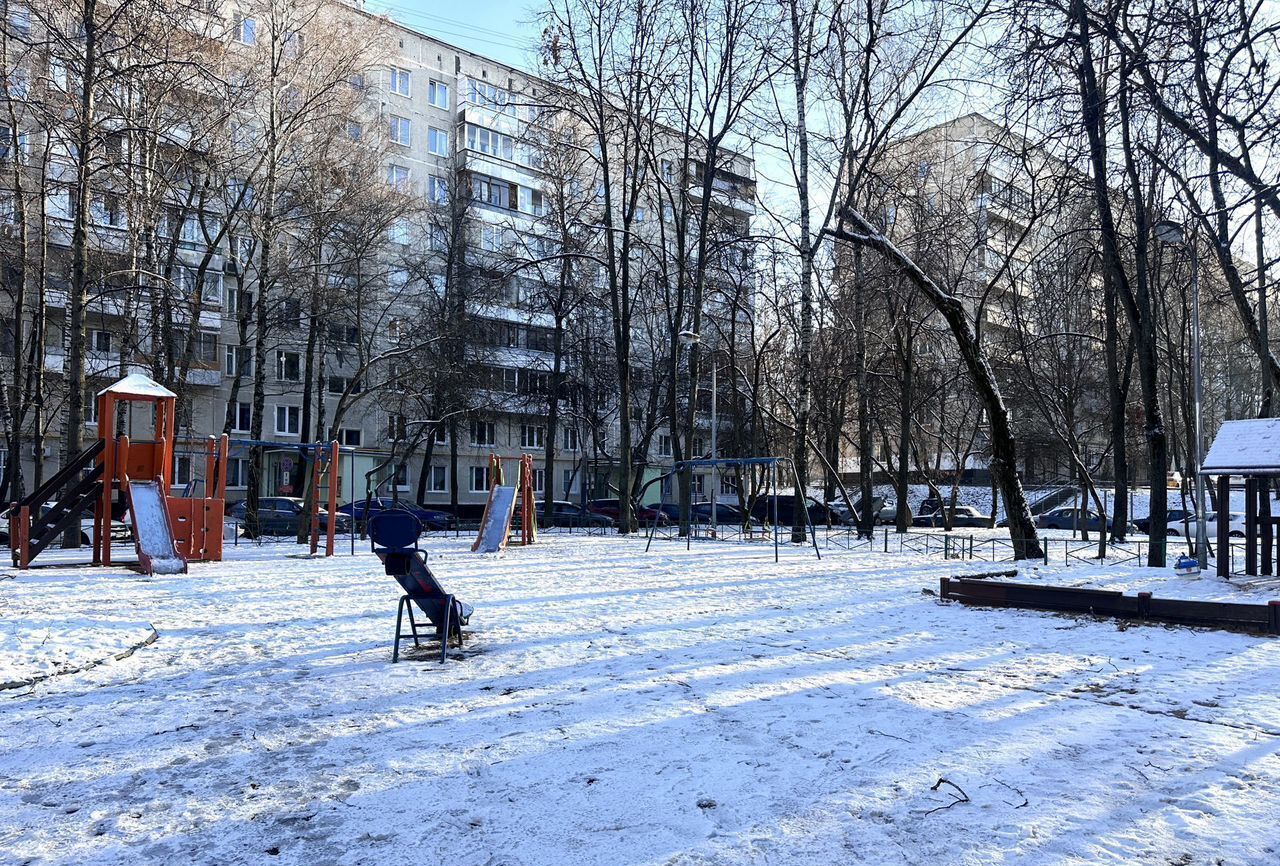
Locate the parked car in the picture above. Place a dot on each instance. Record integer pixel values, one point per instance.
(1235, 526)
(1173, 515)
(961, 516)
(819, 512)
(1076, 518)
(726, 515)
(280, 515)
(430, 518)
(888, 513)
(121, 531)
(569, 514)
(610, 509)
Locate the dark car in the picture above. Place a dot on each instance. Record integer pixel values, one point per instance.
(1174, 514)
(609, 508)
(281, 515)
(430, 518)
(961, 516)
(726, 515)
(569, 514)
(1075, 518)
(819, 513)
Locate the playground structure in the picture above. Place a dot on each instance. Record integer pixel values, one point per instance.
(114, 477)
(502, 504)
(1251, 449)
(770, 465)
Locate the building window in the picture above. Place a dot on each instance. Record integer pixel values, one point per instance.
(438, 94)
(211, 289)
(728, 485)
(400, 81)
(246, 30)
(442, 435)
(181, 470)
(437, 190)
(401, 130)
(539, 480)
(479, 479)
(566, 483)
(288, 420)
(354, 130)
(242, 418)
(237, 472)
(396, 427)
(490, 191)
(352, 437)
(101, 341)
(206, 348)
(569, 438)
(239, 359)
(490, 142)
(288, 367)
(532, 435)
(482, 433)
(402, 476)
(339, 385)
(486, 95)
(437, 141)
(398, 176)
(90, 404)
(664, 445)
(436, 478)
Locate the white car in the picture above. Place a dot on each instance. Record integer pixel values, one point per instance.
(1178, 528)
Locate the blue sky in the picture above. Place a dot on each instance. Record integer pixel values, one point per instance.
(501, 29)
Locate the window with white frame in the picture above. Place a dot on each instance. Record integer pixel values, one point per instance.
(479, 479)
(442, 435)
(246, 30)
(211, 289)
(242, 417)
(539, 480)
(569, 439)
(206, 348)
(437, 190)
(401, 81)
(664, 445)
(352, 437)
(437, 141)
(237, 473)
(398, 176)
(697, 450)
(482, 433)
(487, 95)
(401, 130)
(90, 403)
(181, 470)
(106, 210)
(238, 359)
(100, 342)
(438, 94)
(490, 142)
(288, 420)
(566, 481)
(402, 476)
(436, 478)
(699, 487)
(288, 366)
(397, 426)
(728, 485)
(532, 435)
(493, 238)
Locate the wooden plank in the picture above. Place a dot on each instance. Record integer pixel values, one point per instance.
(1254, 617)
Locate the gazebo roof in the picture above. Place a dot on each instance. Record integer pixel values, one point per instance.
(1247, 447)
(138, 385)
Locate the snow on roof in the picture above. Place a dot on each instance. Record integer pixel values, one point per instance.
(138, 385)
(1246, 447)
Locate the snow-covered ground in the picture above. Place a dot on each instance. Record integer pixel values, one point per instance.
(617, 707)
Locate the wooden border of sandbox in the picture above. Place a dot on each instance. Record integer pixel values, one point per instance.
(1264, 618)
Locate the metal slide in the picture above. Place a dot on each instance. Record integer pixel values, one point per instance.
(496, 525)
(152, 534)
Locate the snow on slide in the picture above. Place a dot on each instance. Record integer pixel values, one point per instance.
(497, 521)
(151, 530)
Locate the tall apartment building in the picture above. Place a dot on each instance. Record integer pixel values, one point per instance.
(455, 123)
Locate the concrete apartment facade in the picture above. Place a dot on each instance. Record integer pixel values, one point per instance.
(447, 113)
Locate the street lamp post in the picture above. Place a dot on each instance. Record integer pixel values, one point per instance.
(1173, 233)
(692, 338)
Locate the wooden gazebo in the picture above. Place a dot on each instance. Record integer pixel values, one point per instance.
(1249, 449)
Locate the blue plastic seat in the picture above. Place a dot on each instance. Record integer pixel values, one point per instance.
(393, 535)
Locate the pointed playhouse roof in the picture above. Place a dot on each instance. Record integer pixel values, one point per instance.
(1247, 447)
(138, 385)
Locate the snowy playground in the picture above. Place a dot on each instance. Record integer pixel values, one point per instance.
(616, 707)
